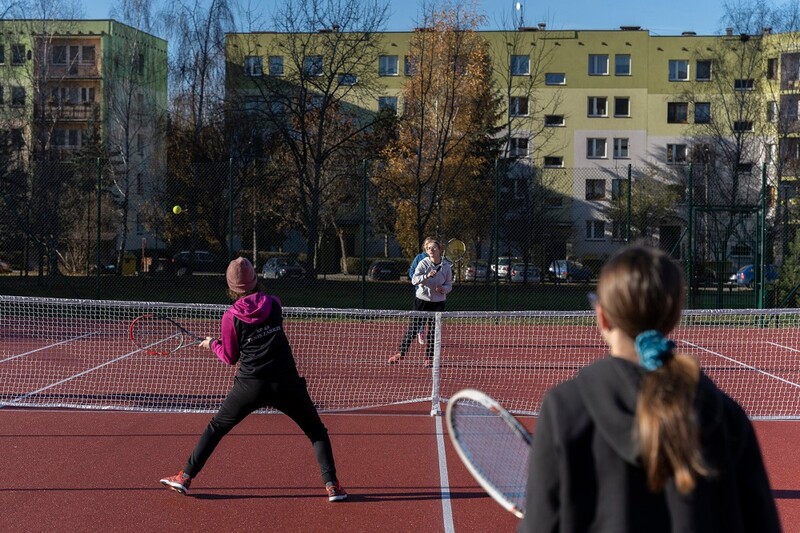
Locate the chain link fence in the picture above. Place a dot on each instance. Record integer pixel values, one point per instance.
(536, 237)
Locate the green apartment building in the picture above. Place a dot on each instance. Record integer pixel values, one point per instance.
(88, 88)
(585, 106)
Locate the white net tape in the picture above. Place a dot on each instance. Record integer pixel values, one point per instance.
(76, 353)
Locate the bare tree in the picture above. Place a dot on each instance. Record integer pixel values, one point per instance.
(317, 110)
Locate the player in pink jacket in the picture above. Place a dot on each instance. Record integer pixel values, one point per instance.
(252, 335)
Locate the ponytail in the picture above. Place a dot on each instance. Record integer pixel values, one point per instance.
(666, 425)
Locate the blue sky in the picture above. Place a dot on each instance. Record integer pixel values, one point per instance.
(661, 18)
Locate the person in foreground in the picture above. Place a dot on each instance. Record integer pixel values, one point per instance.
(433, 279)
(252, 334)
(642, 440)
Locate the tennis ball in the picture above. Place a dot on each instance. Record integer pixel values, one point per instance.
(177, 210)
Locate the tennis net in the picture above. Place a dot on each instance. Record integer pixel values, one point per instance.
(61, 353)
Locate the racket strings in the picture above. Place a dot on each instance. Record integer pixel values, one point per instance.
(495, 449)
(156, 335)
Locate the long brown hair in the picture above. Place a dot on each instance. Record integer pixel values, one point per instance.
(642, 289)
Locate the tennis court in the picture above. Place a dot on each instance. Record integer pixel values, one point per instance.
(89, 423)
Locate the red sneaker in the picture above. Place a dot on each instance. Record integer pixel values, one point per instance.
(335, 492)
(179, 482)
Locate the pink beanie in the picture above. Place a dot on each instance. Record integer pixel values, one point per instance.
(241, 275)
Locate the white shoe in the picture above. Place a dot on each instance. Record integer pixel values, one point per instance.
(420, 338)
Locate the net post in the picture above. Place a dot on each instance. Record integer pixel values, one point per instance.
(436, 409)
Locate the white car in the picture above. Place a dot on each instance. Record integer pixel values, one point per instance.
(519, 273)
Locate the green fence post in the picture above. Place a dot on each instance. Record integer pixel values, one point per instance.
(690, 237)
(230, 209)
(762, 246)
(495, 232)
(99, 201)
(364, 235)
(628, 216)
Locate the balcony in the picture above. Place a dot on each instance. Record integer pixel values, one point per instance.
(67, 112)
(85, 70)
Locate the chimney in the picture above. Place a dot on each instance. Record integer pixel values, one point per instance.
(729, 31)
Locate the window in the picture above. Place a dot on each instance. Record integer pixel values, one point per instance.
(703, 70)
(595, 148)
(387, 66)
(742, 126)
(72, 138)
(312, 66)
(772, 111)
(676, 153)
(18, 96)
(595, 189)
(598, 65)
(387, 102)
(553, 161)
(518, 147)
(618, 188)
(744, 85)
(87, 54)
(678, 70)
(555, 78)
(276, 65)
(622, 106)
(622, 65)
(17, 139)
(410, 66)
(60, 55)
(772, 68)
(518, 106)
(520, 65)
(17, 54)
(620, 147)
(598, 106)
(2, 98)
(348, 79)
(677, 112)
(702, 112)
(2, 54)
(140, 144)
(253, 66)
(140, 64)
(595, 229)
(554, 120)
(252, 104)
(58, 137)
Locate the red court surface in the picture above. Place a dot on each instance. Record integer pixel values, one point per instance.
(82, 471)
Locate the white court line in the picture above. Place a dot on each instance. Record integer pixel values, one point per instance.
(783, 346)
(444, 481)
(47, 347)
(793, 384)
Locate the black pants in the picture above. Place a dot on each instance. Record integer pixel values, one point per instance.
(248, 394)
(418, 323)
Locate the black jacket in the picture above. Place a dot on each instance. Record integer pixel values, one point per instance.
(585, 475)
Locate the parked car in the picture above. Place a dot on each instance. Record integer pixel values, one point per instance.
(282, 267)
(383, 270)
(745, 275)
(185, 262)
(520, 273)
(476, 271)
(5, 267)
(502, 266)
(567, 270)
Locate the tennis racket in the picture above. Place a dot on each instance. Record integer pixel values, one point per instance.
(493, 445)
(158, 335)
(455, 250)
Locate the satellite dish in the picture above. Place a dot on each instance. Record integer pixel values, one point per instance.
(518, 6)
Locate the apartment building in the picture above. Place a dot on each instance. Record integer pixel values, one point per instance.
(85, 88)
(587, 105)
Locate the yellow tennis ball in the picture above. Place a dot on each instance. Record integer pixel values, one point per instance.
(177, 210)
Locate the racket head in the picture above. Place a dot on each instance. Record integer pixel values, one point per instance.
(455, 250)
(157, 334)
(492, 444)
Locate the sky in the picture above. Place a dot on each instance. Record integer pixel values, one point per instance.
(660, 18)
